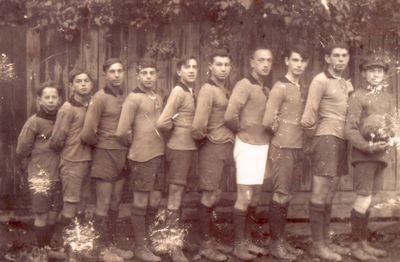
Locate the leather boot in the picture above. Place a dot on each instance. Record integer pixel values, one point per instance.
(241, 251)
(376, 252)
(278, 250)
(320, 250)
(208, 250)
(358, 252)
(367, 247)
(178, 256)
(293, 250)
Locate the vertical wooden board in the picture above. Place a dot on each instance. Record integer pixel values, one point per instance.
(163, 65)
(204, 52)
(123, 54)
(73, 59)
(101, 56)
(90, 53)
(33, 48)
(132, 57)
(389, 180)
(397, 86)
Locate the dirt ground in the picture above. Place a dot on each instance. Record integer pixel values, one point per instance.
(17, 236)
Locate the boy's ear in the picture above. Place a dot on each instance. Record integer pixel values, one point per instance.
(327, 59)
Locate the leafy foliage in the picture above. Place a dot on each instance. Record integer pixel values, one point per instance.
(316, 20)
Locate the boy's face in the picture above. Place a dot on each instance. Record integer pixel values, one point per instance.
(220, 67)
(374, 75)
(82, 85)
(261, 62)
(115, 74)
(147, 77)
(50, 99)
(338, 59)
(188, 72)
(296, 64)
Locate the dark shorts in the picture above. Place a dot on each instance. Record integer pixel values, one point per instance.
(213, 160)
(180, 164)
(329, 156)
(108, 164)
(148, 176)
(285, 164)
(75, 180)
(50, 201)
(368, 178)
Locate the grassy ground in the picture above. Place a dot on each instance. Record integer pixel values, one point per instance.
(18, 237)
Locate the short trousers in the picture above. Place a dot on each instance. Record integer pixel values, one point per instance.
(149, 175)
(251, 162)
(284, 163)
(180, 164)
(329, 156)
(75, 180)
(213, 160)
(368, 178)
(108, 164)
(49, 201)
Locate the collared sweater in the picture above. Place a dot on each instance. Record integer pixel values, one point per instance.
(326, 106)
(177, 117)
(137, 126)
(102, 118)
(34, 144)
(246, 110)
(283, 112)
(208, 121)
(364, 103)
(67, 131)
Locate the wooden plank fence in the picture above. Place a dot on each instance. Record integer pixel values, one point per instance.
(45, 55)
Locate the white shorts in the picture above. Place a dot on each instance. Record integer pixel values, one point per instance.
(251, 162)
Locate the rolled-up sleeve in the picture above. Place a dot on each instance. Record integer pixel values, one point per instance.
(93, 116)
(237, 101)
(202, 113)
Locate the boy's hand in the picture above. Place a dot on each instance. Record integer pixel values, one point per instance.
(377, 147)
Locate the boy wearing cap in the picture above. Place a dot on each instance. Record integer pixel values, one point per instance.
(181, 151)
(282, 117)
(75, 156)
(137, 129)
(215, 153)
(244, 116)
(324, 116)
(368, 129)
(109, 156)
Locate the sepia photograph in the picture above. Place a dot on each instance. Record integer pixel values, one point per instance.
(199, 130)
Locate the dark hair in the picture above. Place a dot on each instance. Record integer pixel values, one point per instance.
(51, 84)
(146, 62)
(300, 49)
(77, 71)
(259, 47)
(335, 44)
(109, 62)
(223, 52)
(184, 60)
(373, 58)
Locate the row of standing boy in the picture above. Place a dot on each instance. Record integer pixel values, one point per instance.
(252, 126)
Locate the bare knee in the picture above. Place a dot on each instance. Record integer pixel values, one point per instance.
(244, 197)
(155, 198)
(282, 198)
(362, 203)
(322, 190)
(40, 219)
(175, 195)
(210, 198)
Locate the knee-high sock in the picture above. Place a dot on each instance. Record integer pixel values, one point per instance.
(277, 219)
(205, 214)
(317, 221)
(239, 222)
(139, 225)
